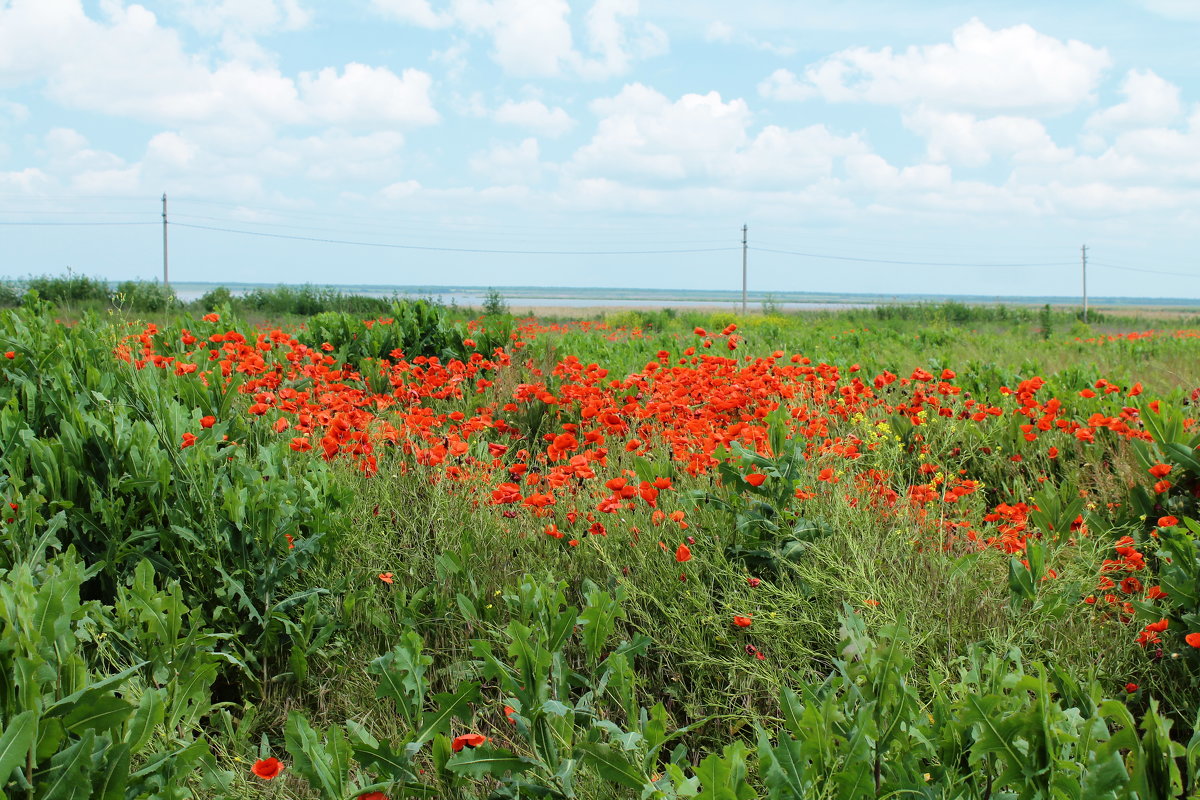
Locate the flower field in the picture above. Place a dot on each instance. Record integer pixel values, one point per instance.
(935, 554)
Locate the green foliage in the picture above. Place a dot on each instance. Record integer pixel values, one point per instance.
(100, 449)
(143, 296)
(215, 299)
(769, 529)
(76, 728)
(306, 301)
(70, 288)
(494, 304)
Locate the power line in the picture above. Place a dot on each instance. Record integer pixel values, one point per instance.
(453, 249)
(908, 263)
(72, 224)
(392, 231)
(1147, 271)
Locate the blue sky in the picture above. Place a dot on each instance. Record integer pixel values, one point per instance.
(981, 143)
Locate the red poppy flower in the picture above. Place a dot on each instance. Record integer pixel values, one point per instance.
(267, 768)
(468, 740)
(683, 553)
(189, 439)
(508, 714)
(1130, 688)
(756, 479)
(212, 318)
(1160, 470)
(207, 422)
(753, 582)
(743, 622)
(373, 796)
(10, 354)
(1193, 639)
(386, 577)
(1167, 522)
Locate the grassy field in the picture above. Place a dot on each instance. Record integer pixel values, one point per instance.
(919, 551)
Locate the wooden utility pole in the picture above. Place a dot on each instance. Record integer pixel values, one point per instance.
(1083, 259)
(744, 270)
(166, 281)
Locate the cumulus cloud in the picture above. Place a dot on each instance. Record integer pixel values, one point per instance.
(363, 94)
(1008, 69)
(1149, 100)
(535, 39)
(959, 138)
(244, 17)
(510, 164)
(644, 137)
(534, 115)
(413, 12)
(618, 38)
(129, 65)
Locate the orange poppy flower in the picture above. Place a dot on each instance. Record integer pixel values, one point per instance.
(1193, 639)
(683, 553)
(386, 577)
(468, 740)
(267, 768)
(743, 622)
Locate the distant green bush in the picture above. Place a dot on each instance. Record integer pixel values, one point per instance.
(69, 288)
(308, 300)
(215, 298)
(143, 296)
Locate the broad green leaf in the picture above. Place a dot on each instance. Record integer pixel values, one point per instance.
(612, 765)
(68, 776)
(480, 761)
(15, 742)
(449, 706)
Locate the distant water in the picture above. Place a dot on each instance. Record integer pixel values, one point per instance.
(187, 293)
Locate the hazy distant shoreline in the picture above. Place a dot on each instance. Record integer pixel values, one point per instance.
(540, 297)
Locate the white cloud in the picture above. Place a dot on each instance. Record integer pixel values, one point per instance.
(413, 12)
(644, 137)
(368, 95)
(616, 43)
(518, 164)
(67, 152)
(782, 84)
(534, 115)
(724, 33)
(530, 38)
(244, 17)
(534, 38)
(962, 139)
(1009, 69)
(30, 180)
(1186, 10)
(12, 113)
(128, 65)
(1149, 100)
(718, 31)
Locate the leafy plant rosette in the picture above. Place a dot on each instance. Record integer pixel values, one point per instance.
(758, 493)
